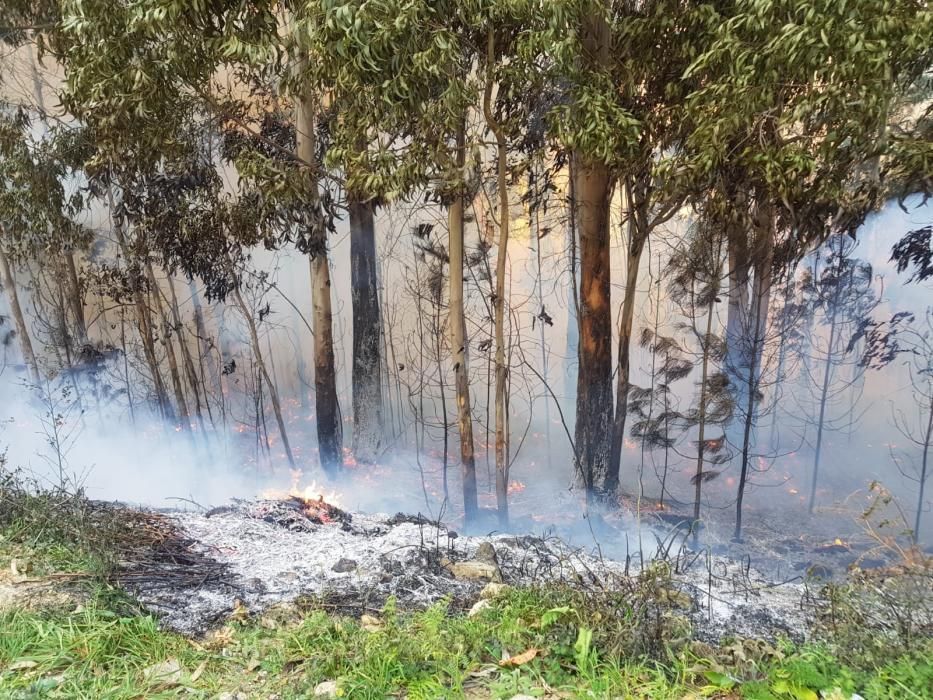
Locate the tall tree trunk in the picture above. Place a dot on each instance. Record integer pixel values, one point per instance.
(544, 349)
(748, 422)
(638, 234)
(143, 317)
(264, 373)
(19, 320)
(75, 297)
(458, 342)
(204, 350)
(187, 359)
(593, 189)
(167, 333)
(594, 391)
(367, 318)
(329, 428)
(502, 369)
(824, 396)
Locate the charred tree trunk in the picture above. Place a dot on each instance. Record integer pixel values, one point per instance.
(594, 374)
(19, 320)
(367, 317)
(593, 189)
(329, 429)
(502, 369)
(458, 342)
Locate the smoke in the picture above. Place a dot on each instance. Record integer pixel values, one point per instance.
(143, 459)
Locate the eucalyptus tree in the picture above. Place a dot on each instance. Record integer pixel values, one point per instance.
(37, 214)
(697, 273)
(842, 297)
(794, 102)
(402, 74)
(162, 67)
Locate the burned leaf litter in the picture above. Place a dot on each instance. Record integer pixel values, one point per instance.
(263, 553)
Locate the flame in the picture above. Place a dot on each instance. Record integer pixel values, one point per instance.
(310, 492)
(629, 444)
(838, 541)
(515, 487)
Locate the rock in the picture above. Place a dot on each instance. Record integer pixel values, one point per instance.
(344, 566)
(227, 695)
(493, 590)
(520, 696)
(478, 607)
(476, 571)
(327, 689)
(486, 553)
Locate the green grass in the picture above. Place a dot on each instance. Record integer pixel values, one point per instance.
(625, 644)
(96, 653)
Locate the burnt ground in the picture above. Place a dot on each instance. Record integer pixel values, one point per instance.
(254, 555)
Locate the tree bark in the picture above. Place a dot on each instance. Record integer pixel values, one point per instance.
(502, 369)
(19, 320)
(367, 319)
(180, 401)
(458, 343)
(701, 438)
(329, 428)
(75, 298)
(592, 185)
(824, 394)
(143, 318)
(594, 390)
(188, 361)
(638, 234)
(758, 322)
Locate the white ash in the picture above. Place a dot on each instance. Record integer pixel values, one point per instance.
(376, 556)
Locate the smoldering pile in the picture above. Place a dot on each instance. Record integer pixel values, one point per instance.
(274, 551)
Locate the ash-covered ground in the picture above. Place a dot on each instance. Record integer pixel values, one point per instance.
(270, 552)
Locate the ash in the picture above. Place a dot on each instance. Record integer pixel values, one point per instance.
(274, 552)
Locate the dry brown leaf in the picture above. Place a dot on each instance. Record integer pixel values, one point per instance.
(22, 665)
(198, 672)
(520, 659)
(370, 623)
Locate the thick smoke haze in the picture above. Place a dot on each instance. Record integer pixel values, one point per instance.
(141, 459)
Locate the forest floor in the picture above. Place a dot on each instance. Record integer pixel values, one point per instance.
(70, 630)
